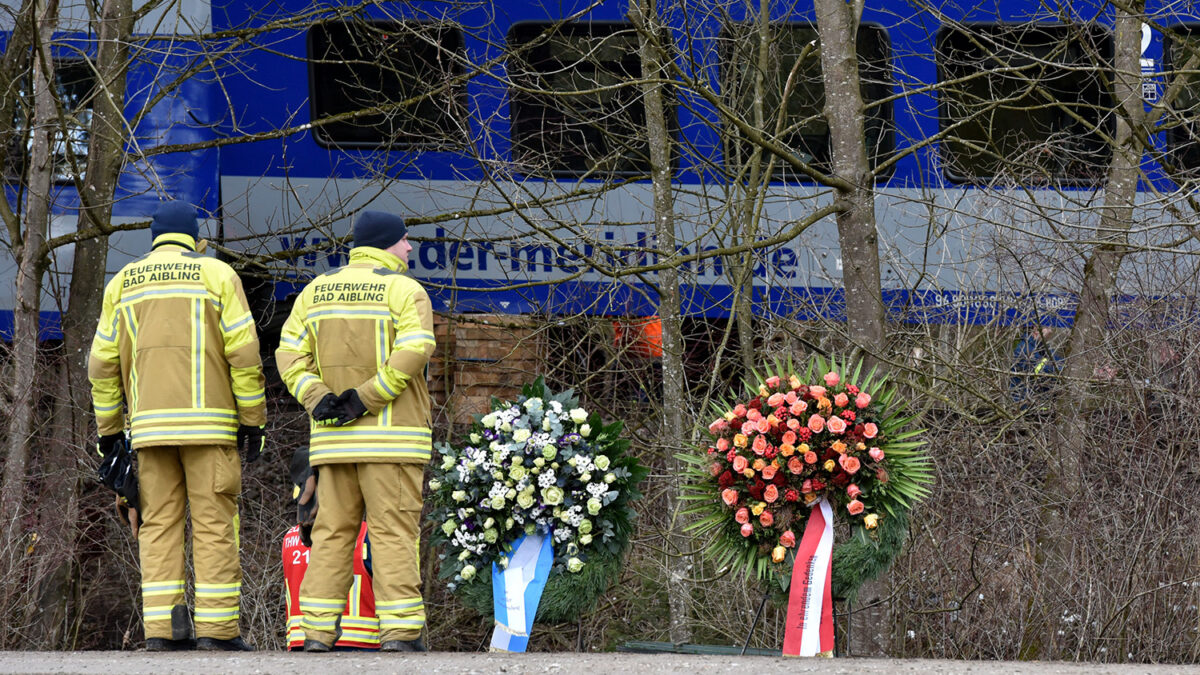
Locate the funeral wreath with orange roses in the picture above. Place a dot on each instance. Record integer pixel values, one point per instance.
(824, 430)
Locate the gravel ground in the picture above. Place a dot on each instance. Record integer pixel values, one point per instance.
(281, 663)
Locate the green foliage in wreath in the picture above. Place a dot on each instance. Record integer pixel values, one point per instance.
(821, 430)
(541, 464)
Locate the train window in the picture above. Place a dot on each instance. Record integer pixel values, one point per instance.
(575, 107)
(1181, 57)
(1025, 103)
(391, 84)
(75, 81)
(793, 53)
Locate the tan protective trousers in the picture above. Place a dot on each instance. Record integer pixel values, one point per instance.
(208, 479)
(391, 497)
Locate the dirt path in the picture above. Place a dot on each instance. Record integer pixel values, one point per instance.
(280, 663)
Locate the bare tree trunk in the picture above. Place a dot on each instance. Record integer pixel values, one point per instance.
(30, 252)
(59, 525)
(837, 26)
(1062, 508)
(644, 15)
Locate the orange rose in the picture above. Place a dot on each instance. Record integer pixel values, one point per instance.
(810, 457)
(762, 425)
(794, 382)
(841, 400)
(870, 430)
(758, 464)
(771, 493)
(760, 444)
(748, 473)
(850, 463)
(798, 407)
(729, 496)
(740, 440)
(742, 515)
(766, 518)
(795, 466)
(774, 381)
(786, 450)
(776, 400)
(768, 472)
(793, 424)
(739, 464)
(837, 425)
(816, 424)
(839, 447)
(753, 414)
(816, 391)
(855, 507)
(789, 437)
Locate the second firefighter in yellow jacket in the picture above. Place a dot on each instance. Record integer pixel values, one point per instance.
(353, 352)
(176, 350)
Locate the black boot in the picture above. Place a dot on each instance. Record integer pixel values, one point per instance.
(168, 645)
(403, 646)
(315, 646)
(208, 644)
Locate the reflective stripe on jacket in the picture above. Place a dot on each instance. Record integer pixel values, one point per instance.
(176, 350)
(368, 327)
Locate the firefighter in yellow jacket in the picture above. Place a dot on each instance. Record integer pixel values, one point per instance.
(176, 351)
(364, 331)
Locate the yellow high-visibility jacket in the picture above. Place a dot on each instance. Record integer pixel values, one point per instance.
(177, 350)
(368, 327)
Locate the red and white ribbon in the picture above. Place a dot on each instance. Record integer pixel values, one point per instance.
(809, 629)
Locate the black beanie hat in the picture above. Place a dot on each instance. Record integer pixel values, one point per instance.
(378, 229)
(174, 218)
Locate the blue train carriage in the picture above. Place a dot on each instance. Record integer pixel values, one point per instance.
(439, 110)
(163, 49)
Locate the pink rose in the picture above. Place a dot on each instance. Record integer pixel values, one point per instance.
(753, 414)
(853, 491)
(722, 444)
(747, 530)
(816, 391)
(862, 400)
(807, 486)
(715, 469)
(816, 423)
(775, 400)
(739, 410)
(770, 494)
(850, 463)
(795, 465)
(788, 538)
(762, 425)
(841, 400)
(759, 445)
(791, 397)
(740, 464)
(793, 424)
(855, 507)
(870, 430)
(837, 425)
(717, 426)
(766, 518)
(810, 457)
(876, 454)
(798, 407)
(773, 381)
(729, 496)
(831, 379)
(742, 515)
(769, 472)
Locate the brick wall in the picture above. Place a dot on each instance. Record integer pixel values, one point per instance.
(480, 356)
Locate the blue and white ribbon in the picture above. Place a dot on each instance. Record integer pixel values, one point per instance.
(517, 590)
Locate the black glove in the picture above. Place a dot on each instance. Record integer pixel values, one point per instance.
(106, 444)
(326, 411)
(352, 407)
(304, 480)
(251, 440)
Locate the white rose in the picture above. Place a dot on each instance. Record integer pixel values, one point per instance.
(585, 430)
(489, 420)
(459, 496)
(585, 539)
(506, 427)
(434, 484)
(447, 463)
(468, 572)
(609, 477)
(546, 424)
(521, 435)
(533, 404)
(578, 415)
(476, 438)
